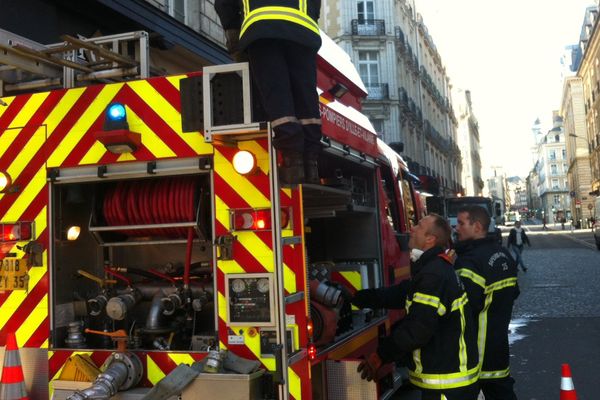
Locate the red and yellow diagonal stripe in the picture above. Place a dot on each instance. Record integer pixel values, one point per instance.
(253, 252)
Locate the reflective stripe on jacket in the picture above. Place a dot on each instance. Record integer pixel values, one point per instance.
(293, 20)
(438, 334)
(489, 274)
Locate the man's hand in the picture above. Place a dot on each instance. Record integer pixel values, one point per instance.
(232, 41)
(364, 298)
(369, 368)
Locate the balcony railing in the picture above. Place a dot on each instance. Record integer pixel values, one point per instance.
(368, 27)
(377, 91)
(400, 39)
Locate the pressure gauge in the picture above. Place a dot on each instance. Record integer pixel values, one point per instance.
(238, 285)
(249, 299)
(263, 285)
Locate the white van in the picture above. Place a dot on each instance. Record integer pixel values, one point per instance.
(596, 226)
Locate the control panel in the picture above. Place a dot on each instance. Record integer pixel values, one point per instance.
(250, 300)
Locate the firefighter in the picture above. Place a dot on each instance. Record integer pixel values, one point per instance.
(489, 274)
(437, 338)
(281, 39)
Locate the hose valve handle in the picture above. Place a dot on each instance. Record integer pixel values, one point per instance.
(119, 336)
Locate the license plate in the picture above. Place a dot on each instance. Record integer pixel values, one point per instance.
(13, 274)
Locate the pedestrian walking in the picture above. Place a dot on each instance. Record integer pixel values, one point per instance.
(437, 338)
(489, 274)
(544, 227)
(281, 39)
(517, 239)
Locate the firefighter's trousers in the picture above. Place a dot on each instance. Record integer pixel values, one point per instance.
(285, 75)
(498, 389)
(464, 393)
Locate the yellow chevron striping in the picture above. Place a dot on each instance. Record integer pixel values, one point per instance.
(251, 194)
(262, 156)
(30, 107)
(264, 255)
(181, 358)
(40, 223)
(355, 280)
(253, 344)
(83, 353)
(169, 114)
(8, 101)
(61, 109)
(231, 267)
(37, 183)
(83, 124)
(222, 213)
(6, 138)
(258, 248)
(33, 321)
(16, 297)
(151, 140)
(222, 306)
(153, 371)
(44, 345)
(25, 155)
(353, 277)
(94, 154)
(295, 386)
(175, 80)
(289, 279)
(126, 157)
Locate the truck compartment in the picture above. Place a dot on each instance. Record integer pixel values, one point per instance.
(141, 263)
(342, 246)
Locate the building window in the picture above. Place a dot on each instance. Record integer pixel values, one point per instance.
(556, 199)
(553, 169)
(552, 154)
(368, 67)
(564, 154)
(177, 10)
(365, 11)
(378, 126)
(555, 184)
(492, 184)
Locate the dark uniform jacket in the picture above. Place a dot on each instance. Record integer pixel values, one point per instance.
(512, 238)
(437, 336)
(489, 274)
(293, 20)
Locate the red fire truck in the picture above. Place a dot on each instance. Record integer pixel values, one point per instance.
(143, 226)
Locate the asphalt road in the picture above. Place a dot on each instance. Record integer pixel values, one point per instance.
(556, 319)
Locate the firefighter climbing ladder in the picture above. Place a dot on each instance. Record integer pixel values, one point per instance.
(240, 130)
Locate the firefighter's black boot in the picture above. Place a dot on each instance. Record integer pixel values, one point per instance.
(291, 171)
(311, 170)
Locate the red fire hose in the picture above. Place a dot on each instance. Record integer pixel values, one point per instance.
(160, 201)
(157, 201)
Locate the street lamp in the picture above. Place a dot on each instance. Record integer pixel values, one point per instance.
(582, 138)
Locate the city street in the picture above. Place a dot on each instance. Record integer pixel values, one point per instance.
(556, 318)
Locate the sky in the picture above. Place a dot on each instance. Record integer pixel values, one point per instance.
(507, 53)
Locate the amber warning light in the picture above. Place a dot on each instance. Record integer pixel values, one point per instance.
(16, 231)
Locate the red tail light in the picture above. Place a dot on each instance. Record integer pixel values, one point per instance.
(312, 352)
(16, 231)
(256, 219)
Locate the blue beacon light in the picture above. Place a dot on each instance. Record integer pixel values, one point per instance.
(116, 112)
